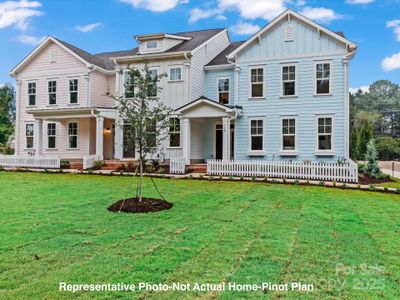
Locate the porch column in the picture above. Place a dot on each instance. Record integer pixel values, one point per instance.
(38, 136)
(118, 140)
(226, 128)
(185, 122)
(99, 137)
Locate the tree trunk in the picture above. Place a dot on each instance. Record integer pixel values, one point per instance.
(140, 179)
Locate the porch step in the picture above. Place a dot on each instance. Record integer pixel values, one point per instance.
(197, 168)
(78, 165)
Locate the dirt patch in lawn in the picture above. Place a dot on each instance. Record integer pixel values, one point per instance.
(132, 205)
(365, 179)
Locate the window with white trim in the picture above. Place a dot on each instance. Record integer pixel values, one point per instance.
(128, 84)
(256, 134)
(257, 83)
(73, 135)
(289, 80)
(29, 135)
(52, 89)
(151, 133)
(288, 134)
(323, 78)
(153, 91)
(325, 133)
(175, 73)
(51, 135)
(175, 132)
(73, 91)
(151, 44)
(31, 93)
(223, 90)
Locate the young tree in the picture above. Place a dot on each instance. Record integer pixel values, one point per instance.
(354, 143)
(7, 112)
(365, 137)
(371, 156)
(145, 120)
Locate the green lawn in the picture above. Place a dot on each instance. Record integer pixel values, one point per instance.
(394, 184)
(55, 228)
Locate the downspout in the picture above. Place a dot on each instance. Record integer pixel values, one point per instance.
(88, 92)
(188, 76)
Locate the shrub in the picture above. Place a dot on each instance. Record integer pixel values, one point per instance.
(284, 180)
(372, 167)
(190, 176)
(230, 178)
(61, 171)
(398, 191)
(334, 183)
(201, 176)
(241, 178)
(64, 164)
(322, 183)
(372, 187)
(98, 164)
(344, 185)
(253, 178)
(296, 182)
(308, 181)
(161, 171)
(1, 168)
(386, 189)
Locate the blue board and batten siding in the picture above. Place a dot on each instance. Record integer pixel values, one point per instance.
(271, 52)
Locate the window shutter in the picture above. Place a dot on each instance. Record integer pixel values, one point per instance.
(289, 33)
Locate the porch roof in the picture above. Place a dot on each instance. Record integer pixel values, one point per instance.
(73, 112)
(204, 107)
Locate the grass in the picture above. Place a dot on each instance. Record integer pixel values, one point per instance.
(55, 228)
(394, 184)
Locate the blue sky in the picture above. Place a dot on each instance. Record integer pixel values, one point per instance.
(105, 25)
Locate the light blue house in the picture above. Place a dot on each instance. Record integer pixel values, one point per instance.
(281, 95)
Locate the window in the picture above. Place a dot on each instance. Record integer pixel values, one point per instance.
(257, 83)
(73, 135)
(223, 90)
(175, 132)
(128, 141)
(29, 133)
(256, 135)
(325, 133)
(32, 93)
(175, 74)
(152, 92)
(288, 134)
(289, 33)
(152, 44)
(151, 127)
(51, 135)
(129, 87)
(323, 77)
(73, 91)
(52, 88)
(288, 80)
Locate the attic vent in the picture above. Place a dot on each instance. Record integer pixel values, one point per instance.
(53, 56)
(289, 33)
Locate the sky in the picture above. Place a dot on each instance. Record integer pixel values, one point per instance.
(107, 25)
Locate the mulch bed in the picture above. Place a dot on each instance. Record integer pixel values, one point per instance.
(132, 205)
(365, 179)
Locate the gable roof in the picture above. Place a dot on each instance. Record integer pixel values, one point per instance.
(221, 59)
(339, 36)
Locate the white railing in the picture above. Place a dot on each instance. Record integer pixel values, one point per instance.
(346, 172)
(14, 161)
(177, 165)
(89, 160)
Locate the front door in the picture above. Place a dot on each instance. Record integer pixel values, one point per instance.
(218, 141)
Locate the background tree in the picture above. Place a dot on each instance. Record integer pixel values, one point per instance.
(7, 112)
(388, 148)
(145, 120)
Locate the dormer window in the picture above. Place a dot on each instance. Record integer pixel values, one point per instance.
(151, 44)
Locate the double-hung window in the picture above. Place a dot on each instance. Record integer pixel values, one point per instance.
(73, 91)
(323, 78)
(151, 44)
(151, 134)
(289, 80)
(257, 82)
(324, 134)
(153, 88)
(29, 134)
(175, 132)
(288, 134)
(223, 90)
(175, 74)
(52, 89)
(31, 93)
(73, 135)
(51, 135)
(129, 84)
(256, 134)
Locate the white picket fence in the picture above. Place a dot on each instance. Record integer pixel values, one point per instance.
(177, 165)
(14, 161)
(346, 172)
(89, 160)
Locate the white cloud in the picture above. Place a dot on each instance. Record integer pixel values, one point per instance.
(88, 27)
(155, 5)
(197, 14)
(18, 13)
(300, 2)
(391, 63)
(395, 24)
(245, 28)
(252, 9)
(364, 88)
(320, 14)
(30, 39)
(359, 1)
